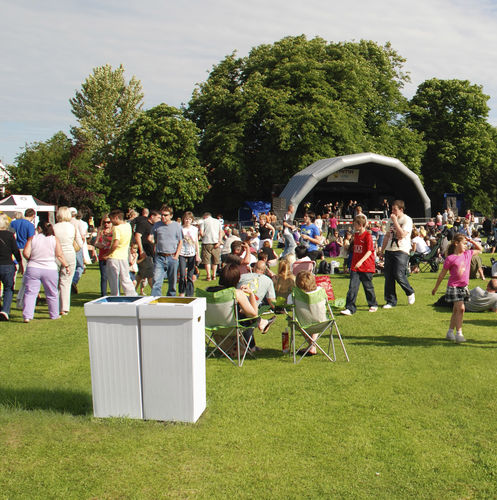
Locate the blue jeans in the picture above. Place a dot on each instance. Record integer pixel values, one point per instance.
(103, 277)
(395, 270)
(367, 283)
(165, 266)
(290, 245)
(80, 267)
(7, 273)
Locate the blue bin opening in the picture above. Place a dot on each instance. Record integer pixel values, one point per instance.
(113, 300)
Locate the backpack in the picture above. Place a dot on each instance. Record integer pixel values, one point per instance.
(324, 267)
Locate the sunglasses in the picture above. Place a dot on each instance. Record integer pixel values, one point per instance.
(107, 222)
(165, 215)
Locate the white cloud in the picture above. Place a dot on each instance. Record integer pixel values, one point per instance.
(50, 47)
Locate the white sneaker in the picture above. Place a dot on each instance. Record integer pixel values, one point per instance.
(346, 312)
(373, 309)
(450, 336)
(388, 306)
(411, 299)
(460, 338)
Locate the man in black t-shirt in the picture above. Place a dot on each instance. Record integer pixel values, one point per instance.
(145, 250)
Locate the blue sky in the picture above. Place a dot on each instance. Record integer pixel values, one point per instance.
(48, 48)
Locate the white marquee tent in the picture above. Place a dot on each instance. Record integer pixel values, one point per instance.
(20, 202)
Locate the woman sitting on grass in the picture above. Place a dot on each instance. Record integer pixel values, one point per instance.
(458, 262)
(267, 249)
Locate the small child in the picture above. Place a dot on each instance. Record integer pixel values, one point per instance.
(345, 251)
(141, 283)
(458, 264)
(133, 265)
(362, 267)
(306, 281)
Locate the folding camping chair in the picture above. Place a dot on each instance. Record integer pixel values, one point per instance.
(223, 328)
(430, 261)
(312, 315)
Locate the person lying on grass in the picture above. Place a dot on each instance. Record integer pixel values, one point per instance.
(458, 263)
(479, 300)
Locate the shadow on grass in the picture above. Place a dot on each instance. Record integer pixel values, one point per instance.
(81, 299)
(396, 341)
(488, 321)
(75, 403)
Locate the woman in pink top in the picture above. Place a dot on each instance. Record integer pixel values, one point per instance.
(458, 263)
(41, 251)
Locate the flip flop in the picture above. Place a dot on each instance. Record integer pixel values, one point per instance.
(269, 323)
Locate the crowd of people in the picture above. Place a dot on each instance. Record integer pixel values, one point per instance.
(137, 252)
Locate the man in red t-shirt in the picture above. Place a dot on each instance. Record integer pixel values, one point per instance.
(362, 268)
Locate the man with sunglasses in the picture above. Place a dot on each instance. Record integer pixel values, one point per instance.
(168, 239)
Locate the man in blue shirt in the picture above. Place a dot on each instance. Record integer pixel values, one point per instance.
(310, 236)
(168, 238)
(23, 229)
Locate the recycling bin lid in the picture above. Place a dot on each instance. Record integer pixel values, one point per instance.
(118, 306)
(172, 307)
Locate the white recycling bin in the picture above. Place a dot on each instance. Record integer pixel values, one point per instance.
(114, 344)
(173, 358)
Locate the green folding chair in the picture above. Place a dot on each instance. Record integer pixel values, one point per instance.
(223, 329)
(311, 314)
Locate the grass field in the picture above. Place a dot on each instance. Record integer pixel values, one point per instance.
(411, 415)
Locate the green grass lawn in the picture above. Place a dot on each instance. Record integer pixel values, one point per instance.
(411, 415)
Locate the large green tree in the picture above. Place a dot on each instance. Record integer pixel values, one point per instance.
(266, 116)
(461, 153)
(157, 162)
(60, 172)
(104, 107)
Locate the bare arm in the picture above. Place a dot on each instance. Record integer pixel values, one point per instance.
(248, 305)
(477, 247)
(441, 276)
(113, 246)
(246, 257)
(386, 239)
(139, 242)
(221, 237)
(27, 249)
(197, 251)
(399, 232)
(364, 258)
(178, 250)
(59, 254)
(99, 239)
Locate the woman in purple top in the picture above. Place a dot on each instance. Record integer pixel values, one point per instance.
(41, 251)
(458, 263)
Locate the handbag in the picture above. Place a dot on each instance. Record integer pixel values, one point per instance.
(75, 245)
